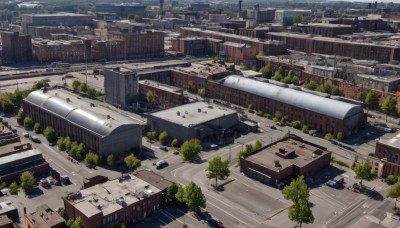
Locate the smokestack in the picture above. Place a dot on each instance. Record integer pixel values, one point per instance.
(240, 8)
(161, 8)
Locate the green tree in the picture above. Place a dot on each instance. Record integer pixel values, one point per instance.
(257, 145)
(296, 81)
(287, 80)
(138, 19)
(92, 159)
(328, 136)
(110, 160)
(243, 66)
(291, 74)
(40, 84)
(391, 178)
(389, 106)
(28, 123)
(277, 76)
(80, 152)
(61, 212)
(312, 85)
(28, 181)
(50, 134)
(339, 136)
(14, 188)
(20, 118)
(328, 86)
(75, 85)
(132, 162)
(394, 193)
(296, 124)
(37, 128)
(266, 71)
(361, 96)
(175, 143)
(190, 149)
(151, 135)
(305, 129)
(335, 91)
(278, 116)
(123, 226)
(180, 194)
(91, 92)
(150, 96)
(202, 92)
(363, 171)
(172, 190)
(84, 87)
(61, 144)
(299, 194)
(250, 108)
(194, 197)
(320, 88)
(163, 138)
(67, 143)
(218, 169)
(371, 100)
(74, 223)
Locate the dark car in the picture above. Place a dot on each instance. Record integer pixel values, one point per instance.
(161, 164)
(214, 223)
(164, 148)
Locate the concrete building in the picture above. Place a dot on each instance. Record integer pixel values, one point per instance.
(264, 15)
(284, 160)
(45, 31)
(9, 210)
(383, 51)
(321, 113)
(326, 30)
(101, 130)
(44, 217)
(282, 15)
(165, 95)
(122, 10)
(55, 19)
(147, 44)
(383, 83)
(196, 120)
(126, 200)
(121, 87)
(16, 48)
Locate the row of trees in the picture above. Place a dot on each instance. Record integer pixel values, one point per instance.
(327, 87)
(191, 195)
(77, 86)
(290, 78)
(163, 138)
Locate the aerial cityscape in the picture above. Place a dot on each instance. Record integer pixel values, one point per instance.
(199, 113)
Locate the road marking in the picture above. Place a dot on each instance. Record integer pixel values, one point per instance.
(170, 216)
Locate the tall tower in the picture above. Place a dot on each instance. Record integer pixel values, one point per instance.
(160, 13)
(240, 8)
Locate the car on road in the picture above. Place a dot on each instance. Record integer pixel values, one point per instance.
(213, 146)
(161, 164)
(25, 134)
(215, 223)
(176, 152)
(35, 139)
(164, 148)
(65, 180)
(273, 127)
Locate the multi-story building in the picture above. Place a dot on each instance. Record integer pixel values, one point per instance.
(388, 151)
(375, 82)
(318, 112)
(44, 217)
(264, 15)
(121, 86)
(55, 19)
(326, 30)
(141, 44)
(238, 53)
(100, 129)
(165, 95)
(284, 160)
(282, 15)
(16, 48)
(47, 51)
(380, 51)
(190, 45)
(45, 31)
(126, 200)
(122, 10)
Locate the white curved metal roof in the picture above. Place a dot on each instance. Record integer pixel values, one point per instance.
(326, 106)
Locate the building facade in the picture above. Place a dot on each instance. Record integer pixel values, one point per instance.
(388, 151)
(16, 48)
(121, 87)
(165, 95)
(101, 130)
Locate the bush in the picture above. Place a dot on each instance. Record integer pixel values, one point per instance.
(391, 179)
(175, 143)
(250, 107)
(278, 116)
(312, 132)
(339, 136)
(304, 129)
(163, 138)
(268, 116)
(259, 113)
(20, 118)
(342, 163)
(92, 159)
(328, 136)
(110, 160)
(50, 134)
(14, 188)
(37, 128)
(28, 123)
(296, 124)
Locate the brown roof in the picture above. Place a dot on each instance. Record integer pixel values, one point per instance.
(153, 179)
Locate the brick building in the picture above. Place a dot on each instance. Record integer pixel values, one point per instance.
(101, 130)
(326, 30)
(44, 217)
(321, 113)
(284, 160)
(383, 52)
(238, 53)
(47, 51)
(165, 95)
(190, 46)
(388, 151)
(147, 44)
(16, 48)
(126, 200)
(45, 31)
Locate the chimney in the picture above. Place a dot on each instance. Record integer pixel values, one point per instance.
(240, 8)
(160, 13)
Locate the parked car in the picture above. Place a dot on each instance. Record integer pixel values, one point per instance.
(215, 223)
(273, 127)
(25, 134)
(213, 146)
(44, 183)
(65, 180)
(35, 139)
(335, 183)
(176, 152)
(164, 148)
(161, 164)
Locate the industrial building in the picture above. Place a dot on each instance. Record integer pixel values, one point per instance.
(196, 120)
(126, 200)
(283, 15)
(165, 95)
(284, 160)
(121, 86)
(317, 111)
(16, 48)
(102, 130)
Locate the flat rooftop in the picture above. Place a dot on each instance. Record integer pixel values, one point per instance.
(387, 79)
(193, 114)
(111, 196)
(45, 217)
(59, 15)
(15, 157)
(325, 25)
(162, 86)
(153, 179)
(300, 158)
(6, 207)
(393, 142)
(203, 69)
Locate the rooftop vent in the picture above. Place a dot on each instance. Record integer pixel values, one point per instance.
(183, 116)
